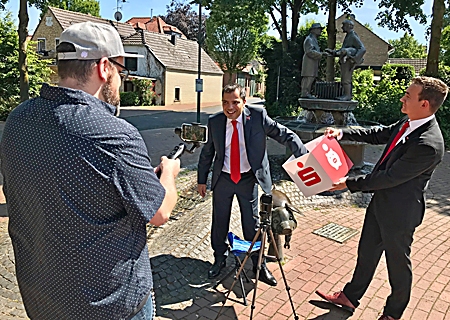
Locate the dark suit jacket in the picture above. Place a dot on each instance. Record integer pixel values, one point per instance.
(400, 182)
(257, 125)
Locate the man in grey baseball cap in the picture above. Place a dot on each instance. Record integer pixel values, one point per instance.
(80, 189)
(84, 44)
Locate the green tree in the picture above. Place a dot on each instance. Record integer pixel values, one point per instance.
(234, 32)
(407, 47)
(437, 21)
(38, 71)
(185, 18)
(91, 7)
(394, 14)
(395, 17)
(22, 59)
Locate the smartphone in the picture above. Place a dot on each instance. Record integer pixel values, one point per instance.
(192, 132)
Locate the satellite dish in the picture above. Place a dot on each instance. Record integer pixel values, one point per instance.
(118, 16)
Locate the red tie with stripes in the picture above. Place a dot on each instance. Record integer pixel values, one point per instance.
(235, 156)
(397, 137)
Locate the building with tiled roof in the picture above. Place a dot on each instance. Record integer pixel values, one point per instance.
(56, 20)
(155, 24)
(173, 61)
(417, 63)
(170, 61)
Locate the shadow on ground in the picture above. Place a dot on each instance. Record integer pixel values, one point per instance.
(334, 312)
(182, 288)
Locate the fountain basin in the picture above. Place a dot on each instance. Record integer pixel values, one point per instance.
(327, 104)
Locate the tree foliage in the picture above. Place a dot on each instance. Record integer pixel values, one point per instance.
(283, 69)
(91, 7)
(182, 15)
(234, 31)
(445, 46)
(38, 71)
(395, 14)
(407, 47)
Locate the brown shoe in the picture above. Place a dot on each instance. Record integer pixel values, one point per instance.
(385, 317)
(338, 298)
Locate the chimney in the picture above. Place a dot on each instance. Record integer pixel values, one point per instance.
(173, 39)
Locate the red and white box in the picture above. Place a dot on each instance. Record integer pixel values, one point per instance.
(325, 164)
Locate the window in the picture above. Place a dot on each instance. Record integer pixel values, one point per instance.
(131, 63)
(41, 45)
(177, 94)
(56, 42)
(128, 86)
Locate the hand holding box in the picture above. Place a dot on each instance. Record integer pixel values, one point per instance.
(325, 164)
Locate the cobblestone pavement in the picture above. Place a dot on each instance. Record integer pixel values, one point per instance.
(181, 255)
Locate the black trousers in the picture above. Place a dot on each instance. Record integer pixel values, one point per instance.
(246, 191)
(376, 237)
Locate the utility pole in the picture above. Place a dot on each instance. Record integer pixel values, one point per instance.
(199, 81)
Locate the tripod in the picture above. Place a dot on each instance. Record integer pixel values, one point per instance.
(264, 229)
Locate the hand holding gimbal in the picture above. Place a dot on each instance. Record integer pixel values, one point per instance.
(193, 133)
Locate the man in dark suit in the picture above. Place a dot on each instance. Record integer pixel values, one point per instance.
(237, 144)
(414, 147)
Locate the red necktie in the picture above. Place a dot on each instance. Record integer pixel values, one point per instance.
(397, 137)
(235, 156)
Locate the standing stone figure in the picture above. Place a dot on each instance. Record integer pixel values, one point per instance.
(311, 58)
(350, 55)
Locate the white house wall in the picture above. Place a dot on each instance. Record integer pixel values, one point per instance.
(151, 68)
(185, 81)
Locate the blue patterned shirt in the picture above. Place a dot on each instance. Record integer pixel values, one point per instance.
(80, 189)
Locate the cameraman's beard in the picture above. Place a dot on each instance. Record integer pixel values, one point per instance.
(111, 96)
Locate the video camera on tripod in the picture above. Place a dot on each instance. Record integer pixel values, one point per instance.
(264, 232)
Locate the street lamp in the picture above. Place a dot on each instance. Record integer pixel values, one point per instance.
(199, 81)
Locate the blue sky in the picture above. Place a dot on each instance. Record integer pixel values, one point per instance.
(143, 8)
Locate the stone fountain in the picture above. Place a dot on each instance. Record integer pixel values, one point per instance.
(330, 103)
(317, 114)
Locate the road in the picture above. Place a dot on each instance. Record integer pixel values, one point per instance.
(157, 128)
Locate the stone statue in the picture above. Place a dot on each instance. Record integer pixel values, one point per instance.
(311, 59)
(350, 55)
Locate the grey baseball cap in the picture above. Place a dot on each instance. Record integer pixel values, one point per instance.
(93, 41)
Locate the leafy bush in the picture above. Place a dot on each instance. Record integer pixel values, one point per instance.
(259, 95)
(283, 70)
(38, 70)
(398, 71)
(130, 98)
(380, 103)
(144, 89)
(7, 105)
(443, 114)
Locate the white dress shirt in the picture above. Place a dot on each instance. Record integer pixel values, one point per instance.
(245, 165)
(413, 125)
